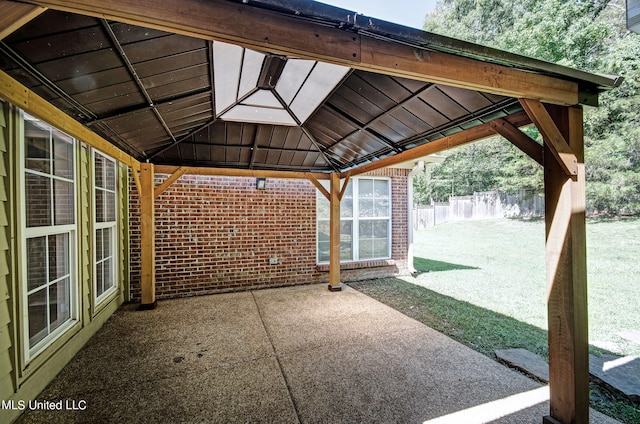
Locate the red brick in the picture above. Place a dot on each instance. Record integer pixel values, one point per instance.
(216, 234)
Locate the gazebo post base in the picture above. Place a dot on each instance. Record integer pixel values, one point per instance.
(148, 306)
(335, 288)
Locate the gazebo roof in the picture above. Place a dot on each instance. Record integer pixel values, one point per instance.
(180, 98)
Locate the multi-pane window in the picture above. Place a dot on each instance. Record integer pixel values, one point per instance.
(365, 221)
(49, 231)
(104, 171)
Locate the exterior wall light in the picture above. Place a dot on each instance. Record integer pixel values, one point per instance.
(261, 183)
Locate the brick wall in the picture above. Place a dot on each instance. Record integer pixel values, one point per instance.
(217, 234)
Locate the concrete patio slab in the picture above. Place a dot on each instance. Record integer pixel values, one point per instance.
(296, 354)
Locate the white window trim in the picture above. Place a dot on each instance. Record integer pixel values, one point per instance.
(355, 219)
(27, 233)
(98, 299)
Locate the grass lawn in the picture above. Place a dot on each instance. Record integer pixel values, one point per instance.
(500, 265)
(486, 288)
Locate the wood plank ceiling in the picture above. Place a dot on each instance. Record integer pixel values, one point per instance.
(154, 94)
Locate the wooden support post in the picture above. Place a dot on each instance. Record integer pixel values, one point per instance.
(334, 233)
(147, 237)
(566, 275)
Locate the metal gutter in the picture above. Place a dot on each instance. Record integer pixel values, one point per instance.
(373, 27)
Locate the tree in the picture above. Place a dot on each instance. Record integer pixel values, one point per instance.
(586, 34)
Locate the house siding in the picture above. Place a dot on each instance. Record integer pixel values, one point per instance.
(85, 230)
(216, 234)
(123, 231)
(7, 385)
(21, 380)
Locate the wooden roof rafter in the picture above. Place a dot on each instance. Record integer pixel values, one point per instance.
(464, 137)
(132, 70)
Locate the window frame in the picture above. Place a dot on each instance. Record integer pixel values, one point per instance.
(101, 298)
(355, 219)
(27, 233)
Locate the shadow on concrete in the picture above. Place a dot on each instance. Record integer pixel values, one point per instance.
(485, 330)
(481, 329)
(290, 355)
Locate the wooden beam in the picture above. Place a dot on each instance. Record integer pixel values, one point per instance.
(320, 187)
(147, 237)
(16, 93)
(334, 233)
(404, 61)
(233, 172)
(552, 136)
(14, 15)
(167, 183)
(519, 139)
(273, 32)
(567, 277)
(473, 134)
(136, 179)
(347, 177)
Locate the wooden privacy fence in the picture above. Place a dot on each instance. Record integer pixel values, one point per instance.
(484, 205)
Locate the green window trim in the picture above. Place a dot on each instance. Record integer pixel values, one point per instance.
(105, 221)
(49, 228)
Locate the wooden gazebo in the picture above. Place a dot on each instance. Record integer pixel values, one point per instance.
(299, 89)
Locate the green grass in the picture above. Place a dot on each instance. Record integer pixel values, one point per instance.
(505, 272)
(480, 329)
(483, 284)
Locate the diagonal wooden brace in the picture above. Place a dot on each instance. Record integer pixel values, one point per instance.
(519, 139)
(344, 185)
(167, 183)
(319, 186)
(552, 136)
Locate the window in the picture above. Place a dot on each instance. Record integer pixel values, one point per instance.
(104, 172)
(365, 221)
(49, 228)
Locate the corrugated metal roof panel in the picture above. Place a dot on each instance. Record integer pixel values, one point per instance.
(151, 93)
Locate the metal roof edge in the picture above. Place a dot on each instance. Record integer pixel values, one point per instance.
(369, 26)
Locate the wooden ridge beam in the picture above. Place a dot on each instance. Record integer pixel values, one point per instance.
(552, 136)
(14, 15)
(233, 172)
(16, 93)
(519, 139)
(473, 134)
(274, 32)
